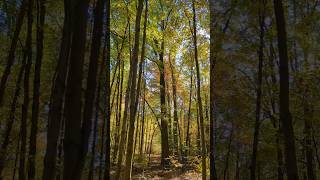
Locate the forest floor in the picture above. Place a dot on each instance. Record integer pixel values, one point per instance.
(154, 171)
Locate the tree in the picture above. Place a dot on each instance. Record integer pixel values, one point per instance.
(285, 116)
(72, 142)
(91, 81)
(25, 106)
(57, 96)
(133, 92)
(41, 11)
(259, 93)
(202, 134)
(213, 174)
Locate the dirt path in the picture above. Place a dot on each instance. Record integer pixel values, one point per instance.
(154, 171)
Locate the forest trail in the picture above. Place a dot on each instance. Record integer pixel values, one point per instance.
(154, 171)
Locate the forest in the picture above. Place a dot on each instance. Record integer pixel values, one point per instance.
(159, 89)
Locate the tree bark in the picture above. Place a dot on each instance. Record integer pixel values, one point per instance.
(213, 174)
(141, 76)
(91, 82)
(203, 143)
(41, 11)
(174, 96)
(188, 147)
(72, 142)
(25, 105)
(259, 94)
(57, 97)
(133, 93)
(164, 120)
(108, 93)
(285, 116)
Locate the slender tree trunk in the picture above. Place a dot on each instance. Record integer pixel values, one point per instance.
(95, 129)
(72, 143)
(275, 121)
(202, 134)
(119, 108)
(259, 94)
(213, 173)
(108, 93)
(189, 115)
(13, 47)
(57, 97)
(41, 11)
(141, 76)
(25, 105)
(174, 95)
(285, 116)
(164, 121)
(91, 82)
(133, 93)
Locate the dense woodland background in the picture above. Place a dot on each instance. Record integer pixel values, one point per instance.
(143, 89)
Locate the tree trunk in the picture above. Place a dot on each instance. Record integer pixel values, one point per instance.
(25, 106)
(188, 148)
(133, 93)
(95, 129)
(57, 97)
(72, 142)
(141, 73)
(164, 120)
(41, 11)
(12, 50)
(108, 93)
(285, 116)
(91, 82)
(203, 143)
(174, 95)
(258, 90)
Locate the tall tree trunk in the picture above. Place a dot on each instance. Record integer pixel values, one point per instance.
(57, 97)
(41, 11)
(95, 129)
(285, 116)
(174, 95)
(91, 82)
(164, 120)
(203, 143)
(141, 76)
(258, 91)
(119, 108)
(25, 105)
(108, 93)
(13, 47)
(213, 173)
(72, 142)
(276, 122)
(188, 148)
(134, 94)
